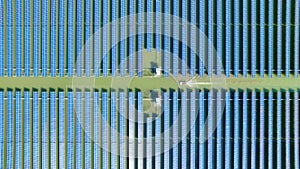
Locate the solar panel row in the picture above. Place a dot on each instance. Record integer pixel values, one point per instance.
(166, 40)
(27, 131)
(18, 127)
(114, 125)
(149, 25)
(140, 36)
(45, 130)
(37, 38)
(131, 39)
(140, 146)
(18, 38)
(71, 134)
(253, 38)
(166, 135)
(245, 37)
(10, 129)
(78, 131)
(62, 17)
(87, 116)
(2, 40)
(54, 38)
(262, 38)
(236, 42)
(87, 24)
(2, 110)
(53, 121)
(10, 39)
(62, 129)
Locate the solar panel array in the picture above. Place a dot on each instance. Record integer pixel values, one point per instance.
(244, 44)
(62, 139)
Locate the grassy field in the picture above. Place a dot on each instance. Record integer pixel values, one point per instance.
(142, 84)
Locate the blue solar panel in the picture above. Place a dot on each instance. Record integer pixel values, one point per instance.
(2, 46)
(236, 41)
(131, 129)
(37, 45)
(149, 143)
(114, 40)
(123, 58)
(253, 130)
(220, 125)
(184, 38)
(123, 132)
(10, 129)
(296, 127)
(202, 129)
(262, 37)
(261, 129)
(79, 38)
(288, 38)
(105, 129)
(87, 129)
(287, 130)
(158, 144)
(79, 130)
(297, 41)
(279, 134)
(97, 41)
(61, 132)
(193, 141)
(175, 41)
(53, 39)
(228, 37)
(88, 47)
(62, 33)
(270, 131)
(96, 130)
(114, 123)
(45, 130)
(140, 43)
(27, 38)
(245, 37)
(71, 32)
(10, 39)
(45, 45)
(131, 40)
(210, 135)
(193, 38)
(53, 119)
(166, 27)
(167, 125)
(105, 38)
(157, 25)
(228, 132)
(149, 25)
(245, 129)
(271, 38)
(71, 126)
(140, 146)
(184, 129)
(219, 37)
(36, 137)
(279, 39)
(253, 38)
(19, 38)
(18, 134)
(2, 128)
(175, 131)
